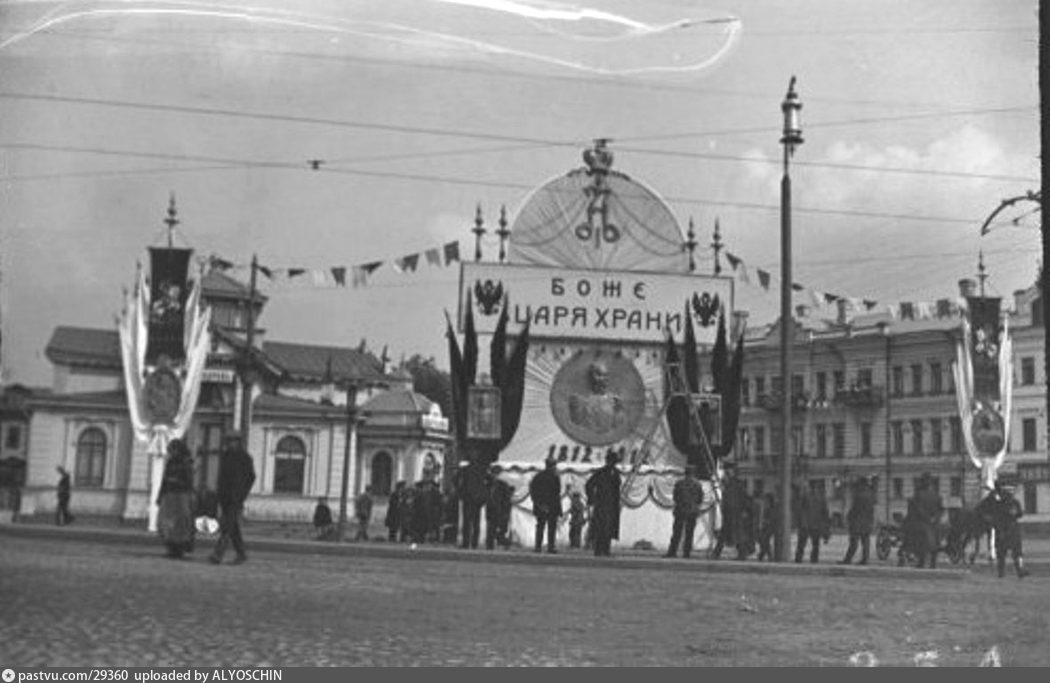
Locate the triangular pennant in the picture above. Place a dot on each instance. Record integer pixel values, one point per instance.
(734, 262)
(409, 263)
(451, 252)
(907, 310)
(360, 276)
(869, 304)
(319, 276)
(433, 257)
(265, 271)
(831, 298)
(220, 263)
(818, 297)
(372, 267)
(924, 310)
(295, 272)
(797, 287)
(339, 275)
(763, 279)
(944, 308)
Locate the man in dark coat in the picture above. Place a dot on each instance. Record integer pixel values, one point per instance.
(393, 511)
(688, 496)
(497, 510)
(928, 509)
(236, 477)
(545, 491)
(860, 519)
(814, 524)
(473, 493)
(1004, 511)
(603, 495)
(62, 515)
(767, 521)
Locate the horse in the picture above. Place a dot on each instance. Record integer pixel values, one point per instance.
(968, 525)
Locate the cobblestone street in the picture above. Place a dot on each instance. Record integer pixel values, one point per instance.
(74, 602)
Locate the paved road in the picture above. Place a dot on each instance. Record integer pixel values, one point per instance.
(110, 603)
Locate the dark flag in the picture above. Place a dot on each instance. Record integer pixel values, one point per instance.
(514, 386)
(985, 338)
(167, 316)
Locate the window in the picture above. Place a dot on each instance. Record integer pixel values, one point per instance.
(821, 388)
(745, 392)
(760, 386)
(864, 377)
(916, 437)
(91, 458)
(1028, 371)
(936, 437)
(898, 488)
(760, 440)
(821, 446)
(838, 436)
(797, 385)
(289, 468)
(1028, 442)
(897, 436)
(744, 441)
(13, 439)
(916, 379)
(865, 439)
(382, 473)
(840, 381)
(797, 442)
(936, 379)
(955, 484)
(759, 487)
(898, 380)
(956, 434)
(777, 384)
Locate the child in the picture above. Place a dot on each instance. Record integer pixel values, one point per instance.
(577, 518)
(323, 520)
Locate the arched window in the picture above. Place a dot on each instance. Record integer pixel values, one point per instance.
(289, 470)
(91, 458)
(382, 473)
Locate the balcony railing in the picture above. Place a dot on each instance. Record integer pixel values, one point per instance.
(772, 401)
(860, 396)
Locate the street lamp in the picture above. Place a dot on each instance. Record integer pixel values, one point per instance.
(792, 137)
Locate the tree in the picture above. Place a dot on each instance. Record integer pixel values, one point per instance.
(431, 381)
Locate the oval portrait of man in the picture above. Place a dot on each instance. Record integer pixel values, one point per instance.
(597, 398)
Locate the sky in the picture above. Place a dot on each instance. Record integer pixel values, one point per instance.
(919, 117)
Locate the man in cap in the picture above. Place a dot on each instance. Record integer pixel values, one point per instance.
(545, 490)
(688, 496)
(1005, 510)
(603, 495)
(860, 519)
(928, 508)
(236, 477)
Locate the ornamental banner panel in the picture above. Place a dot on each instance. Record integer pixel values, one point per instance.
(167, 311)
(594, 304)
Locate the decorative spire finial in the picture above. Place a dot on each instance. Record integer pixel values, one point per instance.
(981, 274)
(716, 245)
(172, 220)
(690, 245)
(503, 233)
(598, 158)
(478, 231)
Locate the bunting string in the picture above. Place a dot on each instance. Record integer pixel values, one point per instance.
(821, 301)
(356, 276)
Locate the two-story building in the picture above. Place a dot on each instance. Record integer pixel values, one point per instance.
(298, 434)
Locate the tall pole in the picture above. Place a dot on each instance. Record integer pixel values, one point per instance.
(348, 449)
(792, 137)
(246, 371)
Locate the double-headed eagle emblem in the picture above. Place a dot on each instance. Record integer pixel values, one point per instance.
(488, 295)
(705, 308)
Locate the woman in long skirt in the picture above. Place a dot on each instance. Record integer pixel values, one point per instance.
(175, 517)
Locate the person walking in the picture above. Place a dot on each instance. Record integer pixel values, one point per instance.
(363, 513)
(545, 490)
(1005, 511)
(688, 496)
(814, 524)
(860, 519)
(236, 477)
(323, 524)
(603, 495)
(393, 512)
(175, 522)
(928, 509)
(767, 522)
(65, 492)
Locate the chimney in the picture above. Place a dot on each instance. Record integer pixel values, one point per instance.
(967, 287)
(842, 307)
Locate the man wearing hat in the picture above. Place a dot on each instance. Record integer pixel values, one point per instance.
(545, 490)
(860, 519)
(1005, 510)
(236, 477)
(603, 495)
(928, 510)
(688, 495)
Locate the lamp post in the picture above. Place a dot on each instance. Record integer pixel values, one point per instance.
(349, 451)
(791, 138)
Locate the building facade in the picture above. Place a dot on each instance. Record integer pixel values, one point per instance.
(299, 425)
(875, 397)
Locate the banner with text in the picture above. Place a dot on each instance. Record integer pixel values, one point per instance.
(594, 304)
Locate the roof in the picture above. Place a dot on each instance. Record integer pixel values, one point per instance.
(398, 401)
(216, 284)
(306, 362)
(84, 346)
